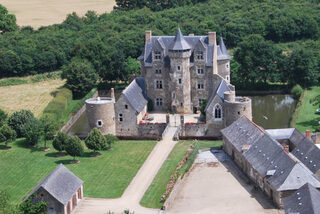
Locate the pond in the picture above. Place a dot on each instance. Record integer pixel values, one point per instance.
(272, 111)
(269, 111)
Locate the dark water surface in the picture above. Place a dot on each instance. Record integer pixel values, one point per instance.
(273, 111)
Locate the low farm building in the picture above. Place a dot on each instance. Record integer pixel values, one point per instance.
(279, 163)
(61, 190)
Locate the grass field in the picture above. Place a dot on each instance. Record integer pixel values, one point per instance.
(306, 117)
(34, 97)
(106, 176)
(152, 196)
(38, 13)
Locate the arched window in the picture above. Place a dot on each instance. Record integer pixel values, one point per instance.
(217, 112)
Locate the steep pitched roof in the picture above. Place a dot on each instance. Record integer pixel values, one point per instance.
(61, 184)
(179, 43)
(308, 154)
(280, 134)
(224, 54)
(223, 87)
(303, 201)
(241, 132)
(136, 95)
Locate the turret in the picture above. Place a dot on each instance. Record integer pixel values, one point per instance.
(223, 61)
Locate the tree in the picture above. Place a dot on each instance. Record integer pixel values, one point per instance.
(49, 127)
(81, 76)
(32, 131)
(7, 21)
(203, 106)
(3, 117)
(111, 139)
(302, 68)
(7, 134)
(29, 207)
(132, 66)
(18, 119)
(74, 147)
(95, 141)
(60, 141)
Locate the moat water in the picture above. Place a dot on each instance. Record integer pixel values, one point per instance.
(269, 111)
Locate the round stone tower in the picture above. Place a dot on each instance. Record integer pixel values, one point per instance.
(236, 107)
(100, 113)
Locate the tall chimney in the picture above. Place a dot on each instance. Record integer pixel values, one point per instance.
(286, 148)
(308, 134)
(112, 93)
(213, 41)
(148, 36)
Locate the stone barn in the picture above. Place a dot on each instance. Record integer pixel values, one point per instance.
(61, 190)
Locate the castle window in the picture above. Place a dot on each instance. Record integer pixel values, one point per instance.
(158, 71)
(120, 117)
(173, 95)
(126, 106)
(157, 55)
(217, 112)
(199, 55)
(227, 77)
(178, 67)
(159, 101)
(200, 71)
(179, 80)
(99, 123)
(227, 65)
(158, 84)
(200, 86)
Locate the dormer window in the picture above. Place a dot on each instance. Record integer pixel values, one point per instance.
(157, 55)
(199, 55)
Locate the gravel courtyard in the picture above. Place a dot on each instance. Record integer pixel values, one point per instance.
(216, 188)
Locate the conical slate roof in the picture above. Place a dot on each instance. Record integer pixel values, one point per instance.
(224, 54)
(179, 43)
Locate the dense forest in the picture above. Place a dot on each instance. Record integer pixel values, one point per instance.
(277, 41)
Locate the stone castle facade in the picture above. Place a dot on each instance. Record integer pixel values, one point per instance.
(177, 74)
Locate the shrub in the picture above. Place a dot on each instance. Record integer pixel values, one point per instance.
(296, 91)
(28, 207)
(18, 119)
(7, 134)
(60, 141)
(3, 117)
(95, 141)
(111, 139)
(203, 106)
(32, 131)
(74, 147)
(150, 105)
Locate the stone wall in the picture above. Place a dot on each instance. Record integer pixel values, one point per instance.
(234, 110)
(54, 206)
(151, 129)
(224, 69)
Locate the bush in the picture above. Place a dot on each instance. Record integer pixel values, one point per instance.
(203, 107)
(7, 134)
(111, 139)
(18, 119)
(32, 131)
(60, 141)
(3, 117)
(296, 91)
(150, 105)
(74, 147)
(28, 207)
(95, 141)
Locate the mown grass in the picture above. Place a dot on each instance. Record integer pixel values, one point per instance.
(105, 176)
(305, 117)
(152, 196)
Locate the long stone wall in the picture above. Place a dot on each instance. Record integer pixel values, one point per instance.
(151, 129)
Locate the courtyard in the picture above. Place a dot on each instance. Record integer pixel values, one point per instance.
(160, 117)
(218, 187)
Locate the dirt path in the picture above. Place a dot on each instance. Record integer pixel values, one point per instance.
(135, 191)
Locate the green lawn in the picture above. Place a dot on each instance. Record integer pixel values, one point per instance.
(152, 196)
(306, 117)
(105, 176)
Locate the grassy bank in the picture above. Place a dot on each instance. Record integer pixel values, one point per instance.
(105, 176)
(152, 196)
(305, 116)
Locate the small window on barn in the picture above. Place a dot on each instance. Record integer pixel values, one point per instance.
(126, 106)
(120, 117)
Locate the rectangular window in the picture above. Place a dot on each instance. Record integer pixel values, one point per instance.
(158, 71)
(200, 71)
(199, 55)
(179, 80)
(120, 118)
(158, 84)
(126, 106)
(157, 55)
(178, 67)
(200, 86)
(159, 101)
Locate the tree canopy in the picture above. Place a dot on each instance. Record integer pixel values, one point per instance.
(7, 21)
(74, 147)
(95, 140)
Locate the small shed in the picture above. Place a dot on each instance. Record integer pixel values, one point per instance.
(61, 190)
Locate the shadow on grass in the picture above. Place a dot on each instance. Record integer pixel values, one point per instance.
(22, 143)
(313, 123)
(4, 147)
(65, 162)
(56, 154)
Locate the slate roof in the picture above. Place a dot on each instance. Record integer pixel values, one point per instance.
(179, 43)
(61, 184)
(280, 134)
(135, 93)
(241, 132)
(303, 201)
(309, 154)
(296, 137)
(182, 43)
(223, 87)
